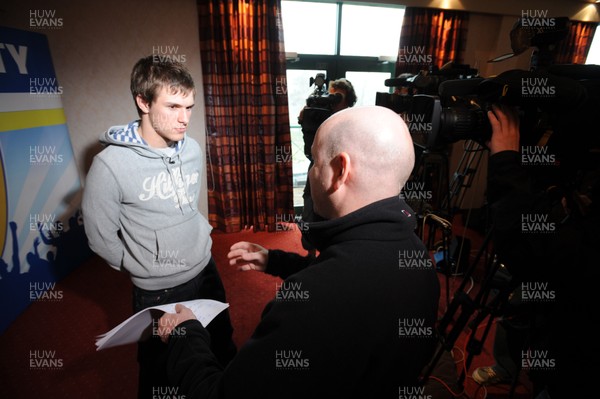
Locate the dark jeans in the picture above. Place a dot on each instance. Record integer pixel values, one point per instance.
(152, 353)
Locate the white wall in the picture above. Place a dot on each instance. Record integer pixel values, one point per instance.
(94, 51)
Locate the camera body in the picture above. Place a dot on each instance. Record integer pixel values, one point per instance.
(319, 106)
(458, 111)
(452, 102)
(446, 109)
(326, 101)
(320, 97)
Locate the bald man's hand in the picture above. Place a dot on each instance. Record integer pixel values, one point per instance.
(248, 256)
(170, 321)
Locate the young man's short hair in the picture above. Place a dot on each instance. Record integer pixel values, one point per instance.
(150, 74)
(344, 84)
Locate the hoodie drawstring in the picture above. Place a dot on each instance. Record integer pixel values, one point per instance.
(187, 196)
(178, 182)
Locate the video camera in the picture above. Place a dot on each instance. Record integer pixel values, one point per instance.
(320, 98)
(445, 102)
(452, 102)
(459, 111)
(319, 106)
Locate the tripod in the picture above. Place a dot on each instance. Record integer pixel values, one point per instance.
(463, 307)
(432, 171)
(464, 175)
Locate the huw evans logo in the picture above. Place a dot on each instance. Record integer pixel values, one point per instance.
(412, 392)
(415, 191)
(414, 259)
(44, 19)
(417, 123)
(414, 328)
(167, 54)
(290, 222)
(537, 156)
(166, 392)
(537, 19)
(44, 360)
(283, 154)
(536, 291)
(536, 223)
(44, 291)
(48, 87)
(537, 87)
(291, 360)
(537, 360)
(290, 291)
(414, 55)
(170, 326)
(168, 259)
(45, 222)
(44, 155)
(281, 86)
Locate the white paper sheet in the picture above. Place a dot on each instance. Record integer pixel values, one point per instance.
(132, 329)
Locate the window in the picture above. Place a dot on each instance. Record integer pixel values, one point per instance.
(309, 28)
(367, 84)
(370, 31)
(357, 42)
(594, 53)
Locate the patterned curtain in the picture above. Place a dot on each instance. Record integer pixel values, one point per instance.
(431, 37)
(243, 67)
(575, 47)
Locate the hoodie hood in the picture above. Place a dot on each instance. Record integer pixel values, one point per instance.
(386, 220)
(127, 136)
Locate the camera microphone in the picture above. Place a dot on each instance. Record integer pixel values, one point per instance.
(396, 82)
(419, 81)
(459, 87)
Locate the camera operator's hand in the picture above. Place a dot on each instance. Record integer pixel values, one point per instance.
(505, 129)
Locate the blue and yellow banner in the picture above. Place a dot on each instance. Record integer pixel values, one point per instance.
(41, 229)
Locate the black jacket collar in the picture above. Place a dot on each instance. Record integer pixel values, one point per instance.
(385, 220)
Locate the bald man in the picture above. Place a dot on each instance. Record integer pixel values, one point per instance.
(355, 322)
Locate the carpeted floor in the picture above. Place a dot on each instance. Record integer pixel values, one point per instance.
(94, 298)
(60, 334)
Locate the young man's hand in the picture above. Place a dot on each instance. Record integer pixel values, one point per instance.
(505, 129)
(248, 256)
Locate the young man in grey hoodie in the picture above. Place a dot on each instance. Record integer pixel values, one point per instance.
(140, 208)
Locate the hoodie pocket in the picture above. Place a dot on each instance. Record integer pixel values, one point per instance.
(182, 247)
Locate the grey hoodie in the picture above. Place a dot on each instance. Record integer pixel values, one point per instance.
(140, 209)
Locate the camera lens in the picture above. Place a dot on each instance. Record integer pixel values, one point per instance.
(465, 123)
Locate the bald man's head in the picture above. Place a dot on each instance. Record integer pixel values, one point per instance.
(378, 149)
(376, 137)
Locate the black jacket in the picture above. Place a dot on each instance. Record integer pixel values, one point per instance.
(356, 322)
(554, 265)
